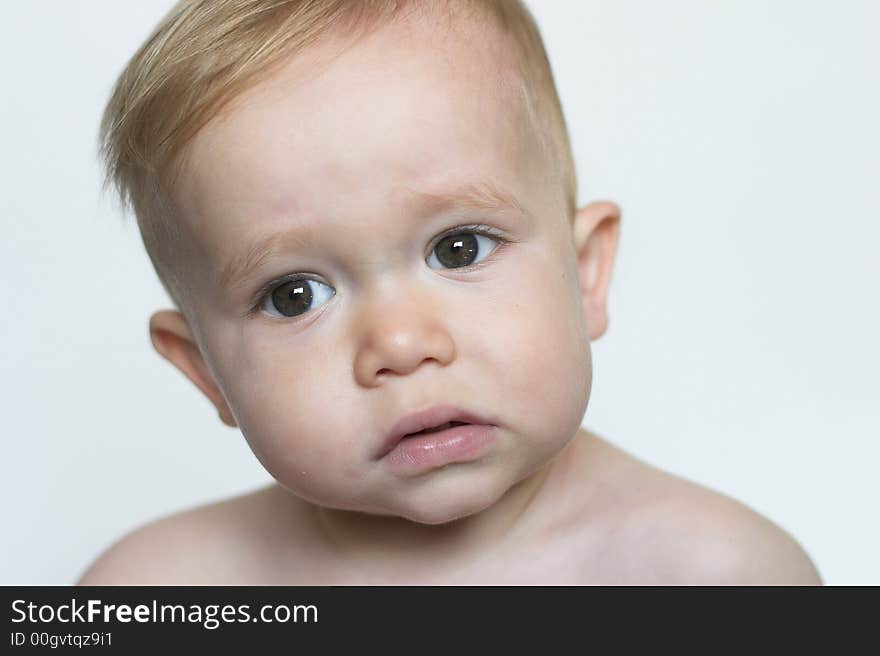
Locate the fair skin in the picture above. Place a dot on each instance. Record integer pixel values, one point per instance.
(348, 148)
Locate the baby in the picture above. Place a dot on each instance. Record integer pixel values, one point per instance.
(365, 214)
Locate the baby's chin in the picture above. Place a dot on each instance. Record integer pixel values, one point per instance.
(439, 497)
(445, 511)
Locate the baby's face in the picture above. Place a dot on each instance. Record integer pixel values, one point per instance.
(364, 310)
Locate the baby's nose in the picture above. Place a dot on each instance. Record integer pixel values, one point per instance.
(398, 341)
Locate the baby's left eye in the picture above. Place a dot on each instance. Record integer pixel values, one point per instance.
(462, 249)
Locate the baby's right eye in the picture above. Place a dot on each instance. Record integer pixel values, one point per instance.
(295, 297)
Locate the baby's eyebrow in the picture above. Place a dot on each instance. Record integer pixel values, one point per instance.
(484, 195)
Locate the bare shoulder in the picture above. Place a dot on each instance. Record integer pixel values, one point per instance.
(666, 529)
(209, 544)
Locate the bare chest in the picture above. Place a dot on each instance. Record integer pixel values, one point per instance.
(550, 562)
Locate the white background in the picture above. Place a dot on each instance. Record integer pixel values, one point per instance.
(741, 140)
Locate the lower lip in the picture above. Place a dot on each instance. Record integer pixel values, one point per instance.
(417, 454)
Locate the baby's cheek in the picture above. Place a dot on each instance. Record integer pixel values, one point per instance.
(282, 407)
(543, 353)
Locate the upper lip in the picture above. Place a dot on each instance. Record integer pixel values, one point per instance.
(435, 416)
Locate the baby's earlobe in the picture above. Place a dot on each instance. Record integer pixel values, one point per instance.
(596, 234)
(226, 417)
(174, 341)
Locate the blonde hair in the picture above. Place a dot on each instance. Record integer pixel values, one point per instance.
(205, 53)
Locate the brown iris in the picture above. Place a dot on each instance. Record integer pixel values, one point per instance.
(457, 251)
(293, 297)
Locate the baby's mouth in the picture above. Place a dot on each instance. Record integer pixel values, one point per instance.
(420, 424)
(448, 424)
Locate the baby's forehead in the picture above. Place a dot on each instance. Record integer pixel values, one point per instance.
(408, 72)
(347, 126)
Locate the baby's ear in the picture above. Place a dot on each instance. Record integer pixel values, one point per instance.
(173, 339)
(596, 233)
